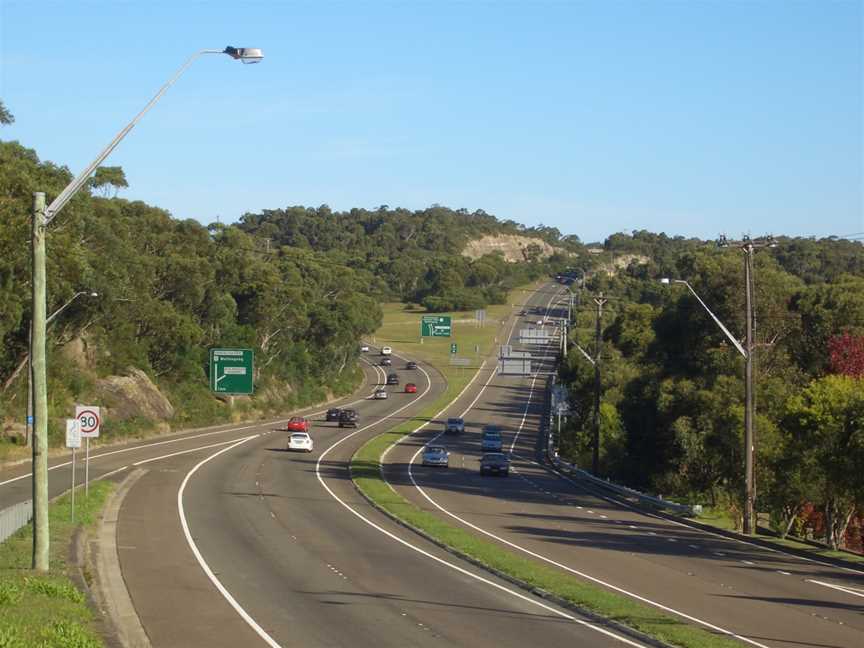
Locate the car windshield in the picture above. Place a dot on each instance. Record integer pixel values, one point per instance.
(494, 456)
(435, 450)
(492, 433)
(454, 421)
(299, 437)
(296, 419)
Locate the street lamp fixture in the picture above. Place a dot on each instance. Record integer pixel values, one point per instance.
(42, 216)
(749, 480)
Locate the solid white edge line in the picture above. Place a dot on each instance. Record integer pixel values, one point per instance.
(449, 564)
(204, 566)
(549, 560)
(147, 446)
(847, 590)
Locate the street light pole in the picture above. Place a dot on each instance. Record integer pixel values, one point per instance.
(595, 463)
(42, 216)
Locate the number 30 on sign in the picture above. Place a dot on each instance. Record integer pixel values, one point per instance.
(90, 419)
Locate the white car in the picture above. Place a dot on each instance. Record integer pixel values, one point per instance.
(364, 348)
(436, 456)
(300, 441)
(540, 322)
(380, 394)
(386, 350)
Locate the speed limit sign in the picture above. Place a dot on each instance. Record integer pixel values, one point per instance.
(89, 418)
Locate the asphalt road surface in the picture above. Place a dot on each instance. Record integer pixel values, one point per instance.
(763, 597)
(278, 548)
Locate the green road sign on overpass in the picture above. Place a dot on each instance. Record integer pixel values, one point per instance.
(435, 326)
(231, 371)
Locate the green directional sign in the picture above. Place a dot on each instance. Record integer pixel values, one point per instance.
(231, 371)
(435, 326)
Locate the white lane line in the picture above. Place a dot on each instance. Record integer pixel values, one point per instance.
(147, 446)
(785, 573)
(645, 513)
(204, 566)
(450, 565)
(182, 452)
(575, 571)
(747, 562)
(843, 588)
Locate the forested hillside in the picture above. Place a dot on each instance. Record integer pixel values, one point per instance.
(415, 256)
(673, 392)
(299, 286)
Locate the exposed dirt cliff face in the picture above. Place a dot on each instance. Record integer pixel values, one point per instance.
(514, 248)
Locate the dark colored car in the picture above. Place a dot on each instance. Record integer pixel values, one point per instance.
(454, 426)
(495, 463)
(333, 414)
(392, 379)
(348, 418)
(411, 365)
(386, 362)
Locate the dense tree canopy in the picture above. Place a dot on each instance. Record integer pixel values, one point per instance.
(673, 389)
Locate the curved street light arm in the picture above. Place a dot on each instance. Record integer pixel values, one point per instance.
(714, 317)
(72, 188)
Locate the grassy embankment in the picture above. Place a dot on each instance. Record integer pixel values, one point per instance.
(48, 610)
(400, 329)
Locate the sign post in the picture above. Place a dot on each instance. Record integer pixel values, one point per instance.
(89, 420)
(231, 371)
(435, 326)
(73, 440)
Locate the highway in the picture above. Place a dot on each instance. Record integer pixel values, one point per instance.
(761, 597)
(277, 548)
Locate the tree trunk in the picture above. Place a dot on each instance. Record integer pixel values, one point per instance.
(17, 371)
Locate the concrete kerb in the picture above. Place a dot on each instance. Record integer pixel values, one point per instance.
(109, 588)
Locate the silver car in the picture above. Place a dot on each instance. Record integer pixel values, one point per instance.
(436, 456)
(380, 394)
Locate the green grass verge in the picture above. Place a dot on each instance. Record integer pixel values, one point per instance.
(721, 520)
(366, 473)
(47, 610)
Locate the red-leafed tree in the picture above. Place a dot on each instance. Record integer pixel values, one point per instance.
(847, 354)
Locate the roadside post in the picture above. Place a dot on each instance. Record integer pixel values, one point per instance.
(89, 419)
(73, 441)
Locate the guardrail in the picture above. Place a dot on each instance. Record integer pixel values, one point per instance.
(630, 494)
(15, 517)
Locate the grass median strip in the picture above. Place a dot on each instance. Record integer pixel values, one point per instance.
(366, 473)
(47, 610)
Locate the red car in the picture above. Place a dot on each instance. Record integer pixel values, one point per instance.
(410, 388)
(297, 424)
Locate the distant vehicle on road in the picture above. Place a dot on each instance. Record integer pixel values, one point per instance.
(386, 362)
(300, 441)
(364, 348)
(348, 418)
(523, 313)
(297, 424)
(333, 414)
(495, 463)
(436, 456)
(380, 394)
(540, 322)
(386, 350)
(454, 425)
(392, 379)
(491, 441)
(411, 365)
(410, 388)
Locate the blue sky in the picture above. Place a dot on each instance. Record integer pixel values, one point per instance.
(690, 118)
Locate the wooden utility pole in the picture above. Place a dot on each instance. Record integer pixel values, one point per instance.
(40, 390)
(748, 246)
(598, 346)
